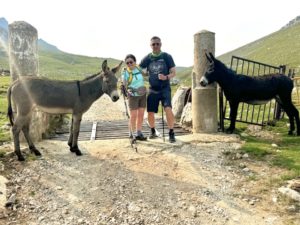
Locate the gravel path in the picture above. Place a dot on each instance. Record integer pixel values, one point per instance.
(201, 179)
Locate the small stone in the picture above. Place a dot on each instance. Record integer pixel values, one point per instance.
(11, 200)
(134, 208)
(245, 156)
(274, 145)
(246, 170)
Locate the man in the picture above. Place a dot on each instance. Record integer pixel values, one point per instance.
(161, 69)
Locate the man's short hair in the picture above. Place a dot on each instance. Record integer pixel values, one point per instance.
(155, 38)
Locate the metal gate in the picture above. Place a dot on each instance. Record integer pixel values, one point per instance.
(251, 114)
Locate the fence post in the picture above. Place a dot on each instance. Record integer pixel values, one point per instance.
(23, 61)
(204, 99)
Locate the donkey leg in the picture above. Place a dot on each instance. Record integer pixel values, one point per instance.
(287, 105)
(233, 113)
(71, 135)
(32, 147)
(296, 117)
(76, 128)
(296, 114)
(16, 132)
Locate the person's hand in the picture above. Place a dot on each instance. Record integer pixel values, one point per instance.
(162, 77)
(123, 90)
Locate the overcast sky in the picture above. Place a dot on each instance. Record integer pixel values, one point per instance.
(114, 28)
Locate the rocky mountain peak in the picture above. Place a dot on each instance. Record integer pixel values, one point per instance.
(292, 22)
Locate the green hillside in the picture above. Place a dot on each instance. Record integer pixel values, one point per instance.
(59, 64)
(279, 48)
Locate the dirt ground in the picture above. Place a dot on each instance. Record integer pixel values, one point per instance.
(200, 179)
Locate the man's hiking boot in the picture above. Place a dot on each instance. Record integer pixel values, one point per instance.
(141, 137)
(153, 135)
(172, 137)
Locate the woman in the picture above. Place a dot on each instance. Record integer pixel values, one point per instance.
(133, 81)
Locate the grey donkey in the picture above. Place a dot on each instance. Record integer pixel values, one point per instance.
(57, 97)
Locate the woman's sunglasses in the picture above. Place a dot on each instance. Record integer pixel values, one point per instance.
(129, 62)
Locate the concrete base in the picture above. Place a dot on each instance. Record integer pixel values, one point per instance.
(205, 110)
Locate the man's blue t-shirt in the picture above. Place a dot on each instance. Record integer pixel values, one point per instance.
(156, 65)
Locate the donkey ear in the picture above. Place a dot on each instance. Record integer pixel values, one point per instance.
(104, 66)
(208, 58)
(116, 69)
(212, 56)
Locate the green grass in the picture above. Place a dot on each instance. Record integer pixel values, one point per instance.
(286, 155)
(4, 83)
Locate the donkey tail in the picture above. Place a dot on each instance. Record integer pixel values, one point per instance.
(10, 114)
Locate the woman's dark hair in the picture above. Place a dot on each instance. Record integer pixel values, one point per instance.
(130, 56)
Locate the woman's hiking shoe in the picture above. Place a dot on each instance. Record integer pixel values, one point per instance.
(141, 137)
(172, 137)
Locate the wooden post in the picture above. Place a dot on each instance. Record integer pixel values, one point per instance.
(204, 99)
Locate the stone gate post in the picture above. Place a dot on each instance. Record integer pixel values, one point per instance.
(204, 99)
(23, 61)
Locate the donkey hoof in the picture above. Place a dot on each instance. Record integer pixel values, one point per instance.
(21, 158)
(35, 151)
(72, 149)
(78, 152)
(229, 131)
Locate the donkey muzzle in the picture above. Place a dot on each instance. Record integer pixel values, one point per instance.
(114, 96)
(203, 81)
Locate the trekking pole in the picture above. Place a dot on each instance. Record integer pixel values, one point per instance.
(163, 122)
(133, 140)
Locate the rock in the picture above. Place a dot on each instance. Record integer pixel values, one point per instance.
(11, 201)
(192, 210)
(178, 102)
(134, 208)
(290, 193)
(186, 116)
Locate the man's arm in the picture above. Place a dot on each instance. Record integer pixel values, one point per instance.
(172, 73)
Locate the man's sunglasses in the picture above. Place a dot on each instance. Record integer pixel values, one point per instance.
(155, 44)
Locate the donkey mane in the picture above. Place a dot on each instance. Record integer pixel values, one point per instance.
(91, 76)
(224, 68)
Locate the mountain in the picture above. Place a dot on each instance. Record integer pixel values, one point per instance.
(3, 35)
(279, 48)
(292, 22)
(3, 23)
(45, 46)
(53, 62)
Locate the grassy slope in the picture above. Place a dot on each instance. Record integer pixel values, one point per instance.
(279, 48)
